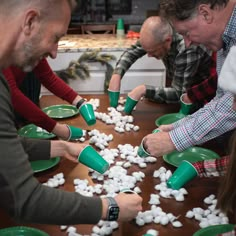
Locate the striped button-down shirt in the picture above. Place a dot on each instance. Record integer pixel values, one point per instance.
(215, 118)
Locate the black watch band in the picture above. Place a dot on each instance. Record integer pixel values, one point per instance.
(80, 102)
(113, 209)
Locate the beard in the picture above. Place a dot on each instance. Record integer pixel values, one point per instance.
(31, 55)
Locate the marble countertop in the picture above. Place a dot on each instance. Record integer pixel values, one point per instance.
(105, 42)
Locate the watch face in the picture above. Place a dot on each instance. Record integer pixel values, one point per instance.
(113, 213)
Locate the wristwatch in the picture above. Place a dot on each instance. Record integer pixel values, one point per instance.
(80, 102)
(113, 209)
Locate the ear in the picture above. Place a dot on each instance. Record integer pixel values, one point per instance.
(31, 21)
(205, 12)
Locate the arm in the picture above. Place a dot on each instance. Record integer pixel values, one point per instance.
(130, 56)
(25, 107)
(215, 118)
(213, 167)
(20, 191)
(55, 84)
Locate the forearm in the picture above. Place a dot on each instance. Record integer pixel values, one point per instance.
(161, 95)
(128, 58)
(214, 119)
(212, 167)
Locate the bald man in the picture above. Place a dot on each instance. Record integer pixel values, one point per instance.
(185, 67)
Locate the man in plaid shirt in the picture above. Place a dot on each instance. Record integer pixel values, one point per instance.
(185, 67)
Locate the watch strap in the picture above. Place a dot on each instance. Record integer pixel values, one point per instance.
(80, 102)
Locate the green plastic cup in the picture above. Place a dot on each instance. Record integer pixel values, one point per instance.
(182, 175)
(87, 112)
(120, 24)
(185, 108)
(113, 98)
(156, 131)
(127, 191)
(75, 133)
(141, 150)
(129, 105)
(91, 158)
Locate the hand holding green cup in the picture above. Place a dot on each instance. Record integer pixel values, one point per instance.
(182, 175)
(91, 158)
(75, 133)
(185, 107)
(129, 105)
(113, 98)
(142, 152)
(87, 112)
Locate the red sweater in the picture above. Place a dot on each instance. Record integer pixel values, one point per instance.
(24, 106)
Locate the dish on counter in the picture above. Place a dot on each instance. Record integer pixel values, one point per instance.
(169, 119)
(33, 131)
(192, 155)
(61, 111)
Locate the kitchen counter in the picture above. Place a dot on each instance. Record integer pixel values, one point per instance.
(105, 42)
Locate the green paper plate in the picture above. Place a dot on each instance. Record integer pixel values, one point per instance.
(43, 165)
(169, 119)
(214, 230)
(192, 155)
(22, 231)
(61, 111)
(30, 131)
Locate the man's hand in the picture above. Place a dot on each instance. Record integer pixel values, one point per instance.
(138, 92)
(129, 204)
(166, 128)
(158, 144)
(114, 84)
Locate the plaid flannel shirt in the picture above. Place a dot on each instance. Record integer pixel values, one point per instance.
(205, 91)
(212, 167)
(185, 67)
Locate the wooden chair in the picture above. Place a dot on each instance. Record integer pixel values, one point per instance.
(102, 29)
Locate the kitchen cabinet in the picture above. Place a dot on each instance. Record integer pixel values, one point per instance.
(145, 70)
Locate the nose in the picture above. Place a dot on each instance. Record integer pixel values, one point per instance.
(53, 52)
(187, 42)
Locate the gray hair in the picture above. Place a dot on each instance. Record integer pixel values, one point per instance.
(186, 9)
(159, 27)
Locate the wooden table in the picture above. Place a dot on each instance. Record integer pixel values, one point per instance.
(144, 116)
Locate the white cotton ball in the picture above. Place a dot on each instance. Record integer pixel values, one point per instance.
(183, 191)
(140, 221)
(197, 217)
(137, 190)
(164, 220)
(189, 214)
(157, 220)
(63, 227)
(127, 165)
(114, 225)
(152, 232)
(207, 200)
(179, 198)
(61, 181)
(136, 128)
(177, 224)
(156, 174)
(148, 219)
(142, 165)
(96, 229)
(171, 217)
(71, 229)
(204, 224)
